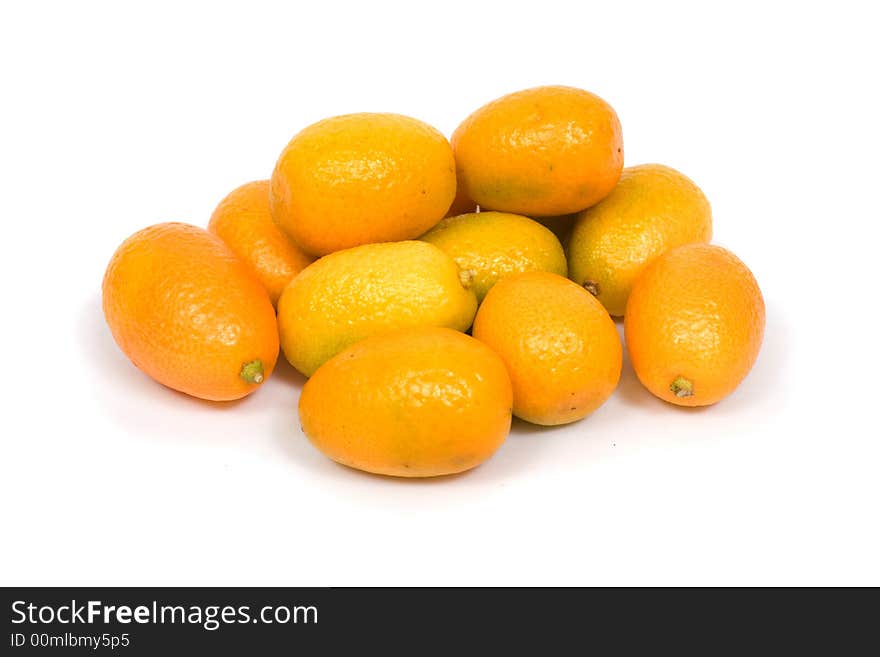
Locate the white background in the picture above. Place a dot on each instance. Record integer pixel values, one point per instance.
(115, 117)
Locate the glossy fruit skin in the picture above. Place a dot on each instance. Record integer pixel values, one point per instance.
(353, 294)
(492, 245)
(189, 313)
(244, 223)
(418, 402)
(539, 152)
(653, 208)
(360, 179)
(694, 324)
(560, 346)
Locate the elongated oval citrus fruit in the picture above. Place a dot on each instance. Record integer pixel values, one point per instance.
(189, 313)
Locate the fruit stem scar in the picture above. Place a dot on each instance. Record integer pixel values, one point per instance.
(592, 287)
(252, 372)
(682, 387)
(466, 276)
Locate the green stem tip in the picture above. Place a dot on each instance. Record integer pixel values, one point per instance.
(252, 372)
(682, 387)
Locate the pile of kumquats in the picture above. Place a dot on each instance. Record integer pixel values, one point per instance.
(432, 289)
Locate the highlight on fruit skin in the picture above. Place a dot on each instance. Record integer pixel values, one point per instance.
(492, 245)
(538, 152)
(189, 313)
(694, 324)
(244, 223)
(560, 346)
(417, 402)
(652, 209)
(353, 294)
(361, 179)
